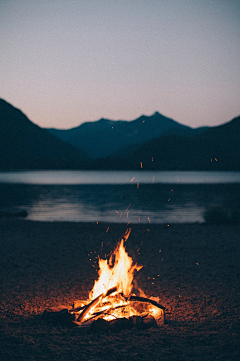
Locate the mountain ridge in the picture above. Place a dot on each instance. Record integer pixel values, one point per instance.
(25, 145)
(217, 148)
(105, 137)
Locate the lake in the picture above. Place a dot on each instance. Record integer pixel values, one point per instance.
(118, 196)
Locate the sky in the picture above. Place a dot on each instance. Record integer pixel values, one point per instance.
(64, 63)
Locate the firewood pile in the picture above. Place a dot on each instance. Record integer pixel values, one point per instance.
(110, 311)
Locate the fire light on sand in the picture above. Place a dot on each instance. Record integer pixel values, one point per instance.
(111, 297)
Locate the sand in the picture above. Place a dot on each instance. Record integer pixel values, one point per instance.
(193, 268)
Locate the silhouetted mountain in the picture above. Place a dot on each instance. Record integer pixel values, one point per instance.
(132, 145)
(105, 137)
(25, 145)
(217, 148)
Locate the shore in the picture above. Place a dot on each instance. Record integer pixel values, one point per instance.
(193, 268)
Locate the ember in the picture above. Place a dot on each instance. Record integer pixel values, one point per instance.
(111, 297)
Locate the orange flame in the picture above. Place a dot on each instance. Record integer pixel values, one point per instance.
(118, 272)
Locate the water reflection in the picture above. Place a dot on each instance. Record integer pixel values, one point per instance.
(155, 203)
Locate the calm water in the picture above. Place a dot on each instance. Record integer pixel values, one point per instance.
(156, 197)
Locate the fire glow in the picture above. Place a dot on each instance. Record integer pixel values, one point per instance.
(111, 297)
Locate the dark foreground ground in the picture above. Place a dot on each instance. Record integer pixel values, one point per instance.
(194, 269)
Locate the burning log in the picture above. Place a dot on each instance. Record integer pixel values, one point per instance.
(92, 304)
(88, 314)
(77, 309)
(144, 299)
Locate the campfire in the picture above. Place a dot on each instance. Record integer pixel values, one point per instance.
(112, 299)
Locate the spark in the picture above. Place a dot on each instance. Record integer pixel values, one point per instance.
(149, 220)
(107, 230)
(132, 179)
(128, 207)
(137, 185)
(153, 179)
(141, 165)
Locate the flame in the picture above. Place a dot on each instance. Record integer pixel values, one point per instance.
(118, 272)
(111, 295)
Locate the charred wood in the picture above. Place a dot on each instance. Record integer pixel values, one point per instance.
(144, 299)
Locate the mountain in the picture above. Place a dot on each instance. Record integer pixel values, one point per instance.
(24, 145)
(217, 148)
(105, 137)
(151, 143)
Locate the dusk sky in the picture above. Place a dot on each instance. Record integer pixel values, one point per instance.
(67, 62)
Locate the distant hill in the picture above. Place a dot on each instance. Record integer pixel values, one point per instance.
(217, 148)
(24, 145)
(148, 143)
(105, 137)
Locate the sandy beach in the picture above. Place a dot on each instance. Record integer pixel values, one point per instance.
(193, 268)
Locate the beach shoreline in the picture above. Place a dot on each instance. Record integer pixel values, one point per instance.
(193, 268)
